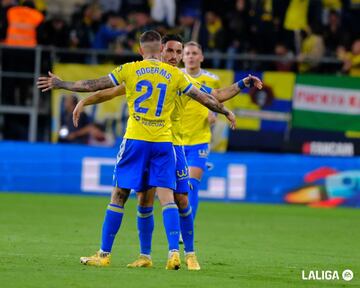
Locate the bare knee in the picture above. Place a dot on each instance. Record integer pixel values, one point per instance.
(119, 196)
(181, 200)
(196, 172)
(165, 195)
(146, 199)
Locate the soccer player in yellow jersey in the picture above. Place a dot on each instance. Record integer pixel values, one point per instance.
(171, 54)
(146, 155)
(196, 121)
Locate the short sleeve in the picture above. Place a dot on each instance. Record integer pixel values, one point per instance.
(197, 84)
(184, 84)
(205, 89)
(118, 75)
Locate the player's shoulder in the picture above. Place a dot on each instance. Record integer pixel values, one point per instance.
(136, 63)
(125, 65)
(210, 75)
(177, 71)
(165, 66)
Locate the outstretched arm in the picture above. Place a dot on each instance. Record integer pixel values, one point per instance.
(54, 82)
(212, 103)
(224, 94)
(104, 95)
(96, 98)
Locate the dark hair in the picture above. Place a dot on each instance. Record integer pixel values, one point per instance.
(150, 36)
(106, 16)
(316, 29)
(171, 37)
(29, 4)
(193, 43)
(334, 12)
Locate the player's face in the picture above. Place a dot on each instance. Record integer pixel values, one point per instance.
(172, 53)
(192, 57)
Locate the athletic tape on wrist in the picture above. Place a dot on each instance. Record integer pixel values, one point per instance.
(241, 84)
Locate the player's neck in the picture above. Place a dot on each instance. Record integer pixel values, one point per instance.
(151, 56)
(195, 72)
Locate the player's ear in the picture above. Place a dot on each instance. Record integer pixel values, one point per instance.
(141, 52)
(161, 47)
(202, 58)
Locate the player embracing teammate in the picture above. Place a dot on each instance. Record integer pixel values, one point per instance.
(146, 159)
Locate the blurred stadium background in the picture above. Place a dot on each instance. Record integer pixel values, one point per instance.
(297, 141)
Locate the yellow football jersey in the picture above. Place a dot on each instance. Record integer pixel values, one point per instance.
(176, 117)
(151, 89)
(194, 122)
(178, 113)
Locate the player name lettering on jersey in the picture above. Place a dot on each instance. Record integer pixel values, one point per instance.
(153, 70)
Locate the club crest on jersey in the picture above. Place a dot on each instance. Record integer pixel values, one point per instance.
(119, 68)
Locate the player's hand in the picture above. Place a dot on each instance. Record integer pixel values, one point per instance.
(71, 136)
(255, 80)
(48, 83)
(212, 118)
(232, 119)
(77, 112)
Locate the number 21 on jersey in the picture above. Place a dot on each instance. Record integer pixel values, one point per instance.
(149, 89)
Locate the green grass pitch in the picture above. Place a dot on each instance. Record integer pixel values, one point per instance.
(238, 245)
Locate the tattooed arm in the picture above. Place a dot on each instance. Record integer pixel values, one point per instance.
(54, 82)
(207, 100)
(212, 103)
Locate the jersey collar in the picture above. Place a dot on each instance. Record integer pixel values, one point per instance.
(196, 75)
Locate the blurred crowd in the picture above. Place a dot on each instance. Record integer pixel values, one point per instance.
(300, 31)
(320, 36)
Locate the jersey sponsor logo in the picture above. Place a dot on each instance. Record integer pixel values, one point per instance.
(149, 122)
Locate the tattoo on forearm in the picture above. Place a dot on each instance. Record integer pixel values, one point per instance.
(211, 102)
(216, 106)
(120, 196)
(193, 94)
(85, 85)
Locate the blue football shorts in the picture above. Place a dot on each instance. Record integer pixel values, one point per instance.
(141, 164)
(197, 155)
(182, 171)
